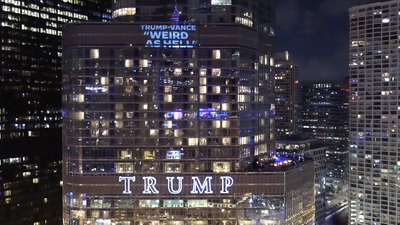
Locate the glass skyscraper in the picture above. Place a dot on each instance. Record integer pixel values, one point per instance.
(325, 117)
(168, 118)
(30, 105)
(374, 114)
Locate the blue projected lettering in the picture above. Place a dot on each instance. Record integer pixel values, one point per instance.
(169, 36)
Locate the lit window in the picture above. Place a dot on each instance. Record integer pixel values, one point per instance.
(216, 89)
(203, 72)
(35, 180)
(124, 12)
(197, 203)
(128, 63)
(203, 81)
(173, 203)
(203, 89)
(178, 71)
(167, 98)
(104, 80)
(192, 141)
(94, 53)
(173, 168)
(216, 54)
(221, 2)
(216, 72)
(173, 154)
(148, 155)
(144, 63)
(149, 203)
(219, 167)
(123, 167)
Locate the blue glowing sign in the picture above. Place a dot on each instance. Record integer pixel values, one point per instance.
(169, 36)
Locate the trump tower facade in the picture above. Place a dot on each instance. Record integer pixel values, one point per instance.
(168, 117)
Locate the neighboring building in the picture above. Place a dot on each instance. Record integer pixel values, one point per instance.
(30, 106)
(286, 95)
(170, 122)
(374, 114)
(325, 116)
(297, 147)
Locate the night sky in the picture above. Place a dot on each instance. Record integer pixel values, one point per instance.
(315, 32)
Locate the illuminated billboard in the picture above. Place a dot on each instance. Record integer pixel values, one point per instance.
(169, 36)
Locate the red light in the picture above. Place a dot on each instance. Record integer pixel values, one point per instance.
(296, 82)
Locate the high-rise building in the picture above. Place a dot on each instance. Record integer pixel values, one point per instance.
(286, 95)
(296, 147)
(169, 116)
(325, 116)
(374, 114)
(30, 105)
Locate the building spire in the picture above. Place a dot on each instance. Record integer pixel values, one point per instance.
(175, 14)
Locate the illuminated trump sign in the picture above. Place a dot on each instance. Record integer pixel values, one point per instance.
(169, 36)
(175, 185)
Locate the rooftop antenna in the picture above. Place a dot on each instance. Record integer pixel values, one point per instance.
(175, 14)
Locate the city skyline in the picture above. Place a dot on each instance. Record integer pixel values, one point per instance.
(316, 33)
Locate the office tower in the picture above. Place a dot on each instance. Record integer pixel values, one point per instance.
(286, 94)
(169, 118)
(296, 147)
(325, 114)
(30, 106)
(374, 119)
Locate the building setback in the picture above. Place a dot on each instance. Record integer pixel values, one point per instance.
(374, 114)
(169, 114)
(30, 105)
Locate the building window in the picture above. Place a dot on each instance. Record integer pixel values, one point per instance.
(94, 53)
(149, 203)
(173, 167)
(128, 63)
(220, 167)
(123, 167)
(197, 203)
(124, 12)
(149, 155)
(173, 154)
(216, 54)
(172, 203)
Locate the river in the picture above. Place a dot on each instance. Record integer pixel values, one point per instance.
(339, 219)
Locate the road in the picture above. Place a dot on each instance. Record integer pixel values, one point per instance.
(340, 218)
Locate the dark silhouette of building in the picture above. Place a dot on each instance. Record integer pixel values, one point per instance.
(30, 105)
(286, 95)
(325, 116)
